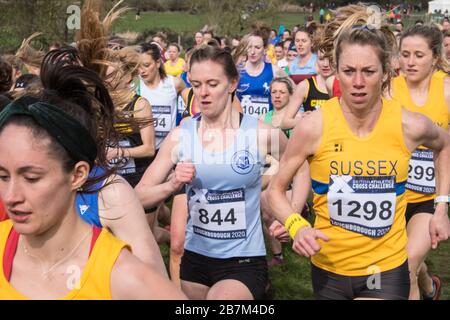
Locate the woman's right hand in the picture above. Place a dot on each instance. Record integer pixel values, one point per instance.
(184, 173)
(305, 242)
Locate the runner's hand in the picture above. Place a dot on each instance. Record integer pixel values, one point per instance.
(305, 242)
(278, 231)
(184, 173)
(439, 225)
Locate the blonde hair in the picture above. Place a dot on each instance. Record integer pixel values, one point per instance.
(30, 56)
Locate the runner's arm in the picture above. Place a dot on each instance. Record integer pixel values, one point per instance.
(153, 187)
(121, 212)
(420, 130)
(133, 280)
(303, 143)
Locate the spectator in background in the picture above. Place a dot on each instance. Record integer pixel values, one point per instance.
(208, 35)
(174, 66)
(286, 34)
(198, 38)
(235, 42)
(278, 52)
(274, 38)
(322, 15)
(161, 39)
(138, 14)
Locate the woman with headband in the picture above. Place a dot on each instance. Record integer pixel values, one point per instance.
(49, 146)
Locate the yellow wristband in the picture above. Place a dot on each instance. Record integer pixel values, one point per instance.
(294, 223)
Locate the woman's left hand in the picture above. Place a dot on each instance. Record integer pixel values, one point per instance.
(439, 225)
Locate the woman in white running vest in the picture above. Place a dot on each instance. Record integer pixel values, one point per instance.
(160, 89)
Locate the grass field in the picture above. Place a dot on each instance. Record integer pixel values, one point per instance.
(185, 23)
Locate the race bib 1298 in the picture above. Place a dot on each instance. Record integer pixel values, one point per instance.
(365, 205)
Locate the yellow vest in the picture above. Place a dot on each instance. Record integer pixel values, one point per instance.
(175, 70)
(359, 193)
(95, 282)
(421, 183)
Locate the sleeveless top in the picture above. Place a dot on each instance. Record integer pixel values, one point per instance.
(268, 119)
(254, 92)
(336, 88)
(359, 193)
(421, 184)
(191, 110)
(163, 100)
(224, 197)
(308, 68)
(314, 98)
(95, 282)
(131, 169)
(174, 70)
(184, 77)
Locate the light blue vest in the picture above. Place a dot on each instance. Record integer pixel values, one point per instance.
(309, 68)
(224, 197)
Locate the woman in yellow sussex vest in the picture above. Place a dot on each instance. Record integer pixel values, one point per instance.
(49, 144)
(358, 148)
(425, 89)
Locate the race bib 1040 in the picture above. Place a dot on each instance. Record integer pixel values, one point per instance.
(218, 214)
(421, 172)
(255, 106)
(365, 205)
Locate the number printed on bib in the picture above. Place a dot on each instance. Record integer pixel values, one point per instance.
(162, 117)
(365, 205)
(255, 106)
(127, 165)
(218, 214)
(421, 172)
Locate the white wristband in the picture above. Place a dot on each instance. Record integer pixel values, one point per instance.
(440, 199)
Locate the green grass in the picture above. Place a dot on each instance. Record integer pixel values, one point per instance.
(179, 22)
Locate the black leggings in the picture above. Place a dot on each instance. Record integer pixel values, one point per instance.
(389, 285)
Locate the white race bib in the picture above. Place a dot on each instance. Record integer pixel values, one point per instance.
(218, 214)
(128, 165)
(162, 116)
(255, 106)
(365, 205)
(421, 172)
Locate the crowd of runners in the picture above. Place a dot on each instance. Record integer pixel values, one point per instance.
(333, 137)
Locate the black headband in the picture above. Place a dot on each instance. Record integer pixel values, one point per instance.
(69, 132)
